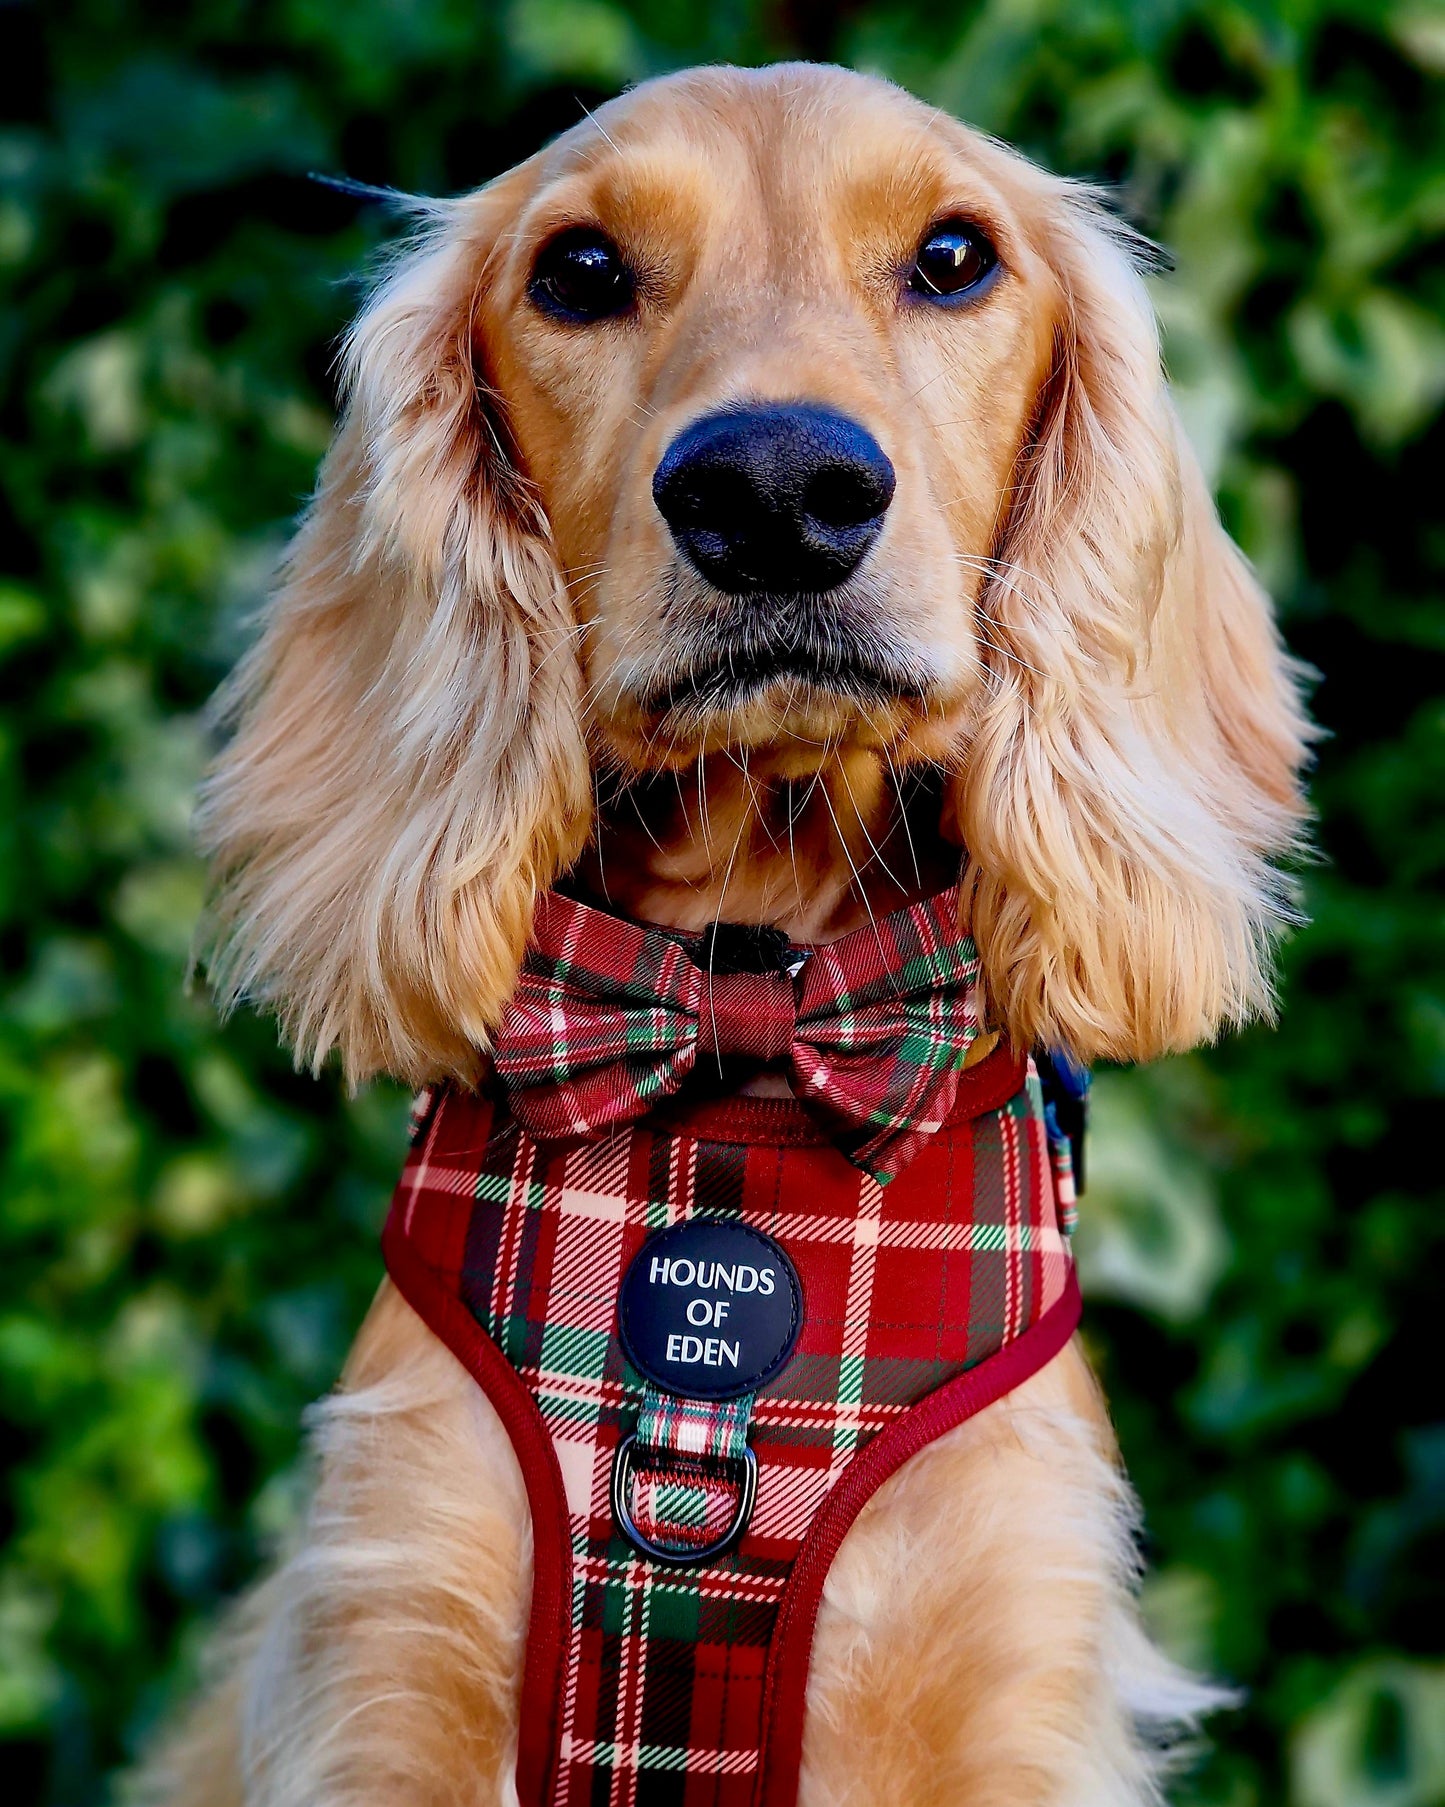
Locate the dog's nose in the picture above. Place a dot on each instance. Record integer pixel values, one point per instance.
(784, 499)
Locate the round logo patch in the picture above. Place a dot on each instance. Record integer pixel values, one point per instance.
(710, 1309)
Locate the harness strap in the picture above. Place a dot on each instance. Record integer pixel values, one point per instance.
(683, 1483)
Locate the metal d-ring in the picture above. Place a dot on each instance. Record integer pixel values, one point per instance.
(622, 1513)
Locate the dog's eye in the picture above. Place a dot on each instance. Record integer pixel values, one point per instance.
(954, 258)
(581, 275)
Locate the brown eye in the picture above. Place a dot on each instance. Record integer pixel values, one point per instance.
(953, 260)
(581, 275)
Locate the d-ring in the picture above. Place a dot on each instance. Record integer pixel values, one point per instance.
(622, 1513)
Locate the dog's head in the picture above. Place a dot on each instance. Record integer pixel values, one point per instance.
(767, 413)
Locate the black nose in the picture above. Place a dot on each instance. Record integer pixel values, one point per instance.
(780, 498)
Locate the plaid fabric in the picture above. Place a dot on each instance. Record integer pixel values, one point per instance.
(705, 1430)
(687, 1487)
(683, 1506)
(904, 1288)
(1061, 1156)
(609, 1016)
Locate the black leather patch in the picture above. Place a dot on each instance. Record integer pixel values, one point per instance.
(710, 1309)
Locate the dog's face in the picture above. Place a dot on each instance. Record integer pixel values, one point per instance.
(770, 358)
(767, 422)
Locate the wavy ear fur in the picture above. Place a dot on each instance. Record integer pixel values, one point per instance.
(407, 769)
(1136, 759)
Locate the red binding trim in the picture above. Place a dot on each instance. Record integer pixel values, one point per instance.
(791, 1650)
(550, 1619)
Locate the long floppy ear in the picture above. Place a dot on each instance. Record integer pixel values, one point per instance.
(408, 767)
(1135, 762)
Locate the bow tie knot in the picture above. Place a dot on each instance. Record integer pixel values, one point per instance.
(610, 1017)
(746, 1014)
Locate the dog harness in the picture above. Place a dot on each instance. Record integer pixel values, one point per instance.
(713, 1324)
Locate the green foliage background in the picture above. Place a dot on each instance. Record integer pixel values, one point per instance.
(187, 1229)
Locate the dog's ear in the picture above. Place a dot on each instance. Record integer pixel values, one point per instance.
(407, 768)
(1136, 757)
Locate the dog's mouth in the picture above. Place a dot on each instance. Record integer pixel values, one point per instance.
(792, 652)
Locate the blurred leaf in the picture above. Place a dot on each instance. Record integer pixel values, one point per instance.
(1152, 1233)
(1378, 1741)
(581, 40)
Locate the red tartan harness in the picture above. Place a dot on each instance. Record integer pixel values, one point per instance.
(677, 1679)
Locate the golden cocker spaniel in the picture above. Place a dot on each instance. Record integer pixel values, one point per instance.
(762, 504)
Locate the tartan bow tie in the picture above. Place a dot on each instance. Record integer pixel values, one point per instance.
(610, 1017)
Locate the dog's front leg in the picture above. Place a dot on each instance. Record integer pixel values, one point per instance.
(978, 1643)
(379, 1667)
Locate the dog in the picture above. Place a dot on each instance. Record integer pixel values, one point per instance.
(763, 505)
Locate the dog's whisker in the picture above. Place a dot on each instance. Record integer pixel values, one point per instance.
(645, 825)
(903, 813)
(597, 839)
(988, 630)
(936, 377)
(876, 851)
(704, 817)
(858, 884)
(596, 121)
(994, 569)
